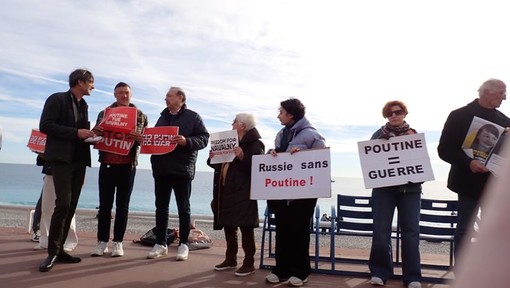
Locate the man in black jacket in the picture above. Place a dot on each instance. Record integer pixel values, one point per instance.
(64, 120)
(468, 176)
(175, 170)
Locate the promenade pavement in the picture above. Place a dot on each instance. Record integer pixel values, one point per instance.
(19, 268)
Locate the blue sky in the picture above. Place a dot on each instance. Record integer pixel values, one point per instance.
(343, 60)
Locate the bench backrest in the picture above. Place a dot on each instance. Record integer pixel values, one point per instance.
(438, 219)
(354, 215)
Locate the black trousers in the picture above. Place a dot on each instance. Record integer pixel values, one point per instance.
(115, 183)
(68, 180)
(163, 186)
(293, 237)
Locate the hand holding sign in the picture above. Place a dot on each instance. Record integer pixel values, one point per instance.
(395, 161)
(179, 140)
(115, 128)
(306, 174)
(223, 146)
(134, 135)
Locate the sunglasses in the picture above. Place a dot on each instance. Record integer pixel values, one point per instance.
(396, 112)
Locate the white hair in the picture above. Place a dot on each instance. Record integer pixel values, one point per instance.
(490, 86)
(249, 120)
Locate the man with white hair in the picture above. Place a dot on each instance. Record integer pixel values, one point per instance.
(468, 176)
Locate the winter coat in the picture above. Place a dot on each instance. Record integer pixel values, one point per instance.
(302, 135)
(460, 178)
(181, 162)
(231, 203)
(61, 129)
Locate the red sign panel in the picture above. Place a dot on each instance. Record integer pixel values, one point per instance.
(117, 123)
(158, 140)
(37, 141)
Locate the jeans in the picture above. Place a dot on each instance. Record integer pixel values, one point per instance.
(68, 180)
(114, 178)
(384, 202)
(163, 186)
(467, 210)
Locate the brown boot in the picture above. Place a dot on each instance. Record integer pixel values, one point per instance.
(245, 270)
(225, 265)
(230, 261)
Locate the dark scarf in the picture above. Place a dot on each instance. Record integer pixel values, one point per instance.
(389, 131)
(284, 143)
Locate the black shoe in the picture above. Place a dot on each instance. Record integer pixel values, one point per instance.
(66, 258)
(48, 263)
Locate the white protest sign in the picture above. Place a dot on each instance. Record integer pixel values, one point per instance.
(222, 146)
(305, 174)
(396, 161)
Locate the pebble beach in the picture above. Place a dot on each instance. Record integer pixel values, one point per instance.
(141, 222)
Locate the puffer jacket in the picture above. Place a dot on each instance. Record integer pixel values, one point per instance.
(181, 161)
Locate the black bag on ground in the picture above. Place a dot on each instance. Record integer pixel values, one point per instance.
(149, 238)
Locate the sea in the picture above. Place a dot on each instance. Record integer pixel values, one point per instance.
(20, 184)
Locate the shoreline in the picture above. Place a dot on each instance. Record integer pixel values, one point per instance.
(18, 216)
(139, 223)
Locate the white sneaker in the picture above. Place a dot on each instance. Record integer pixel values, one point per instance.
(39, 247)
(101, 248)
(158, 251)
(182, 252)
(414, 284)
(272, 278)
(36, 235)
(118, 251)
(296, 282)
(376, 281)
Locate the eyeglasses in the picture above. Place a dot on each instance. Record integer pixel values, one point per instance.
(396, 112)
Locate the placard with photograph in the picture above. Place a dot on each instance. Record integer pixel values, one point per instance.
(483, 142)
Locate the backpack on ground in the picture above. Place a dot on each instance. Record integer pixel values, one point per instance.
(149, 238)
(198, 239)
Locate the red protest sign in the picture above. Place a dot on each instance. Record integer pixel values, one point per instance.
(158, 140)
(37, 141)
(117, 123)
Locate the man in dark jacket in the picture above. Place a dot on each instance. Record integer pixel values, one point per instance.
(64, 120)
(175, 170)
(468, 176)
